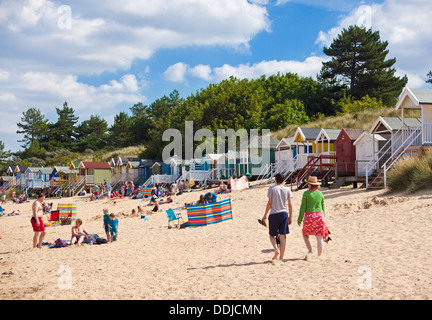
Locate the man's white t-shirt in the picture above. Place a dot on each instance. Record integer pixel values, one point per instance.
(279, 195)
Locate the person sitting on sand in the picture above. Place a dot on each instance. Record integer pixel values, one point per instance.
(202, 200)
(222, 188)
(78, 233)
(155, 203)
(211, 197)
(174, 189)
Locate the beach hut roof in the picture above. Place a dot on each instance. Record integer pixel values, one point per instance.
(354, 133)
(94, 165)
(146, 163)
(328, 134)
(261, 142)
(386, 124)
(124, 161)
(74, 164)
(376, 136)
(414, 98)
(286, 142)
(33, 169)
(133, 164)
(215, 157)
(65, 170)
(19, 169)
(45, 171)
(306, 134)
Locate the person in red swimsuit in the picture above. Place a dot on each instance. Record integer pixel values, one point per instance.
(37, 222)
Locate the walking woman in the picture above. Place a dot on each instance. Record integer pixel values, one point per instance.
(312, 215)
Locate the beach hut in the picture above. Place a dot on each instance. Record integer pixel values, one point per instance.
(132, 170)
(43, 178)
(20, 176)
(307, 137)
(254, 154)
(217, 165)
(95, 172)
(144, 170)
(63, 176)
(346, 151)
(286, 153)
(37, 177)
(325, 142)
(365, 145)
(407, 135)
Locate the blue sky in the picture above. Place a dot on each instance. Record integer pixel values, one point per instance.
(104, 56)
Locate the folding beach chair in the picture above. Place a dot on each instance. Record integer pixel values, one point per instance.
(172, 216)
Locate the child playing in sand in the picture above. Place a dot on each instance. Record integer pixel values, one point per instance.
(113, 227)
(78, 233)
(106, 224)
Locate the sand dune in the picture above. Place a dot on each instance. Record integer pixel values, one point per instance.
(380, 250)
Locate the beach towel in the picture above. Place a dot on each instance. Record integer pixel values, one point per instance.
(67, 212)
(59, 243)
(202, 215)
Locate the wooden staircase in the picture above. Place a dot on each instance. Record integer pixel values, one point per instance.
(377, 180)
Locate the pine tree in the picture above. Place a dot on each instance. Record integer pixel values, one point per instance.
(358, 65)
(63, 133)
(4, 155)
(429, 75)
(33, 126)
(92, 134)
(120, 131)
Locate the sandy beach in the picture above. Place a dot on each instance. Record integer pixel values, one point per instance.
(380, 250)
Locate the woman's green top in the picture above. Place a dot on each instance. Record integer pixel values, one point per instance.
(312, 201)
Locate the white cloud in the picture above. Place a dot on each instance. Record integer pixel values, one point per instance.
(308, 68)
(201, 71)
(109, 35)
(406, 25)
(176, 72)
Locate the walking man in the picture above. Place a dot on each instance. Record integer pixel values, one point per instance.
(280, 207)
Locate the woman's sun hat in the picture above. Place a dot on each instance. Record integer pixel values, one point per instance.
(313, 181)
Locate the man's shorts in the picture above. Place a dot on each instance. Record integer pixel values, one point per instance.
(36, 228)
(278, 224)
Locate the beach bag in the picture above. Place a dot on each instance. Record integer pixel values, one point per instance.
(101, 241)
(91, 238)
(59, 243)
(55, 215)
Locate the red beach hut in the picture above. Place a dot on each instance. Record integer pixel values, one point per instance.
(346, 151)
